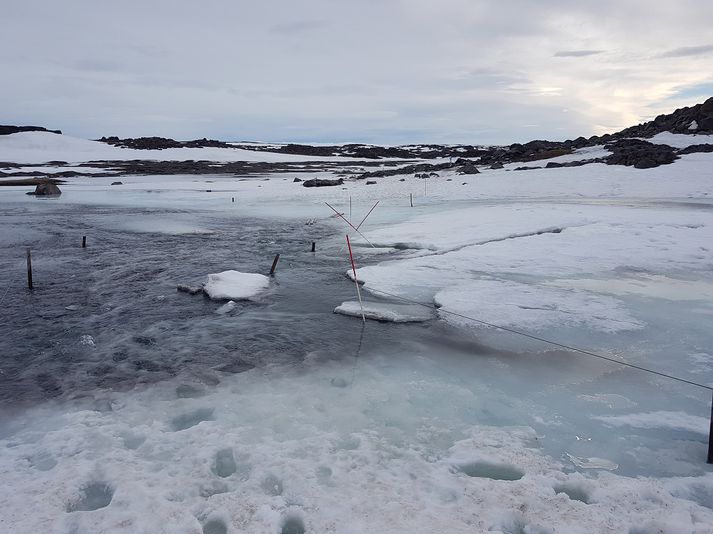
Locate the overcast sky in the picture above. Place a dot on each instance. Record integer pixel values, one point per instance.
(388, 71)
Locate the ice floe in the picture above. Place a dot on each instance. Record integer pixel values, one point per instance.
(387, 312)
(235, 285)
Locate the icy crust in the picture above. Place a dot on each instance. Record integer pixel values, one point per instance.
(387, 312)
(234, 285)
(532, 307)
(659, 420)
(532, 250)
(295, 451)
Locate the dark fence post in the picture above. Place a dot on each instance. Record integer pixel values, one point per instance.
(29, 269)
(274, 264)
(710, 438)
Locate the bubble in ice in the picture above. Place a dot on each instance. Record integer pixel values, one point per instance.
(190, 419)
(293, 525)
(215, 526)
(224, 464)
(93, 496)
(490, 470)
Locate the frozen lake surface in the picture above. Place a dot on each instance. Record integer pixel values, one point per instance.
(130, 407)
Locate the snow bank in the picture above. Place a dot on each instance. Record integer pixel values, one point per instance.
(234, 285)
(680, 140)
(393, 313)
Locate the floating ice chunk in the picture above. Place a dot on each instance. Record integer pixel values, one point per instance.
(71, 307)
(393, 313)
(226, 308)
(592, 463)
(234, 285)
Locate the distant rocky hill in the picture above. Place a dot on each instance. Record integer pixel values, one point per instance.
(627, 147)
(161, 143)
(689, 120)
(7, 129)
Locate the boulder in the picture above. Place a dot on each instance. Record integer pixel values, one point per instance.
(468, 168)
(297, 180)
(370, 182)
(48, 189)
(117, 183)
(497, 165)
(317, 182)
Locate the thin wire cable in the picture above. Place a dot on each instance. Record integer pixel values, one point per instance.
(543, 340)
(358, 352)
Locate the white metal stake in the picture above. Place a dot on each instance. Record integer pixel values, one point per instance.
(351, 257)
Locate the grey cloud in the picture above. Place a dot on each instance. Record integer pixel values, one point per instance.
(327, 70)
(577, 53)
(300, 26)
(687, 51)
(97, 65)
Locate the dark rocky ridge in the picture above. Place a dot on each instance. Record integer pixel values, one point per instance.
(161, 143)
(679, 121)
(8, 129)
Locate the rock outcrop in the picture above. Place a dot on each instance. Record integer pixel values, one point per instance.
(161, 143)
(688, 120)
(639, 154)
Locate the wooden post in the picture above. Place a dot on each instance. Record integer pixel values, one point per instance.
(29, 269)
(410, 196)
(313, 246)
(274, 264)
(233, 199)
(710, 438)
(84, 241)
